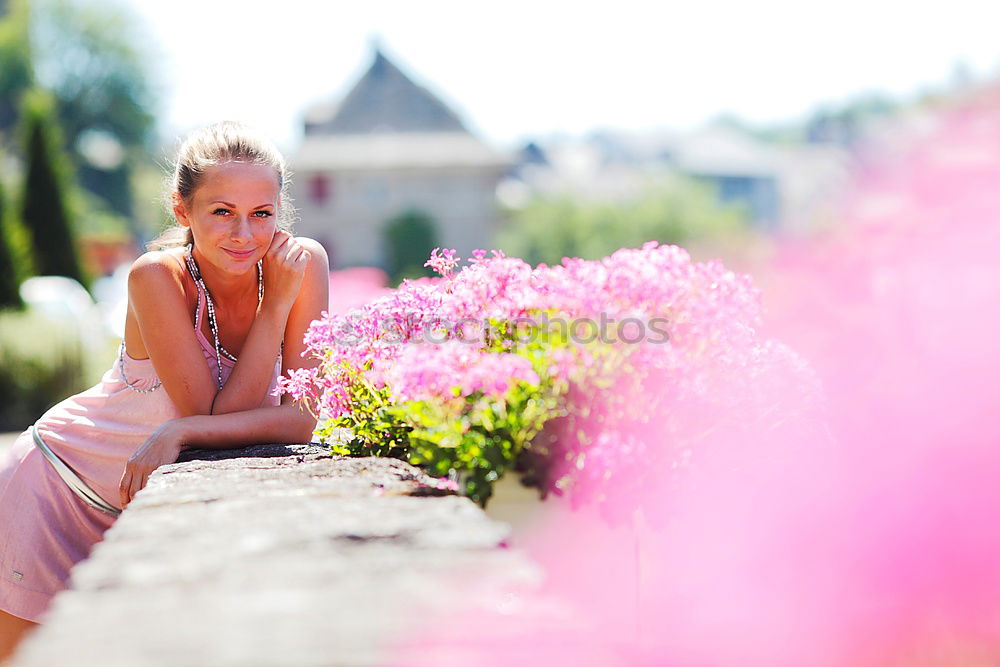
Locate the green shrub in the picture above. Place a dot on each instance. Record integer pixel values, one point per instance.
(409, 239)
(552, 226)
(41, 363)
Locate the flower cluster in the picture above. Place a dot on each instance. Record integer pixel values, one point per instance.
(427, 372)
(442, 262)
(567, 412)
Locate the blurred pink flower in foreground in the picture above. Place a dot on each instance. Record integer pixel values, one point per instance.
(878, 545)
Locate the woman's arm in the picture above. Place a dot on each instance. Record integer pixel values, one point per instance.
(159, 324)
(288, 423)
(285, 315)
(161, 312)
(158, 307)
(285, 423)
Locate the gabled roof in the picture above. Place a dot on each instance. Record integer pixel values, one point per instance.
(384, 100)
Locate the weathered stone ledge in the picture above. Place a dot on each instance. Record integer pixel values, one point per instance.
(271, 555)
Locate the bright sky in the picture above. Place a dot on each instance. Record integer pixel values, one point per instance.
(527, 68)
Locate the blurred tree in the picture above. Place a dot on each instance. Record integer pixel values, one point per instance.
(15, 61)
(47, 187)
(93, 58)
(549, 228)
(9, 282)
(409, 239)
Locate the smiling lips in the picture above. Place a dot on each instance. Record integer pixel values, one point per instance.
(239, 254)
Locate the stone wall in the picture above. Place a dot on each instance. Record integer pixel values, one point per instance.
(272, 555)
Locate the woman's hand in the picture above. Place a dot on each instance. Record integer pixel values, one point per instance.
(284, 267)
(162, 447)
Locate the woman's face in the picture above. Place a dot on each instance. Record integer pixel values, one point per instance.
(232, 215)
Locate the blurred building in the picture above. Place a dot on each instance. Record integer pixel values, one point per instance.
(388, 148)
(782, 187)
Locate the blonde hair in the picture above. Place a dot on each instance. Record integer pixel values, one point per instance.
(226, 141)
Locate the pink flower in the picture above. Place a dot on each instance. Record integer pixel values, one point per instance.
(713, 357)
(442, 262)
(425, 372)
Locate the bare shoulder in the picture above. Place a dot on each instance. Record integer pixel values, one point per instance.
(156, 270)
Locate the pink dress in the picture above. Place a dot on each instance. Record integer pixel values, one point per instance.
(45, 528)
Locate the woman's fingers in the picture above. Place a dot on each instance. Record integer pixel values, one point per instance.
(284, 268)
(277, 247)
(295, 250)
(133, 480)
(123, 487)
(297, 255)
(286, 250)
(279, 239)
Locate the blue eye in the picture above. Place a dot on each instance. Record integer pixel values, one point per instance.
(220, 210)
(263, 214)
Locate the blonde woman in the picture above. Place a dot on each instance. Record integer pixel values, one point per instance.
(216, 312)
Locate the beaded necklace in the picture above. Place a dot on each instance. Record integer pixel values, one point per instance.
(210, 306)
(220, 351)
